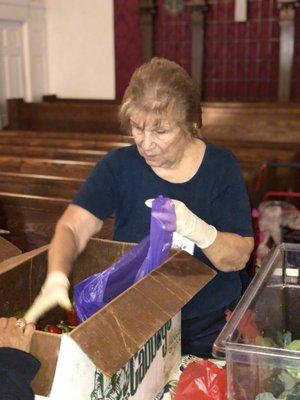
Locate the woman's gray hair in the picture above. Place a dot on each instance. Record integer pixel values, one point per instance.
(164, 88)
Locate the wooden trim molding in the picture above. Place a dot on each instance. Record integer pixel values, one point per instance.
(147, 10)
(286, 47)
(197, 8)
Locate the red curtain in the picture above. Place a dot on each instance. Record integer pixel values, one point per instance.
(240, 58)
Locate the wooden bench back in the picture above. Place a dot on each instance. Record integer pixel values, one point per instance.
(82, 136)
(52, 98)
(45, 166)
(39, 185)
(269, 122)
(32, 219)
(41, 171)
(52, 152)
(62, 116)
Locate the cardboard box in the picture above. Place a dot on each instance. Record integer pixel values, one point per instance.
(124, 351)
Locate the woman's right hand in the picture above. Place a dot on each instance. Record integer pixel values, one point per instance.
(73, 230)
(54, 292)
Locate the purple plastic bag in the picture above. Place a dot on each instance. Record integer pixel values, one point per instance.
(91, 294)
(163, 224)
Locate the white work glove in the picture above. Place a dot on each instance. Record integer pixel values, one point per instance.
(54, 292)
(191, 226)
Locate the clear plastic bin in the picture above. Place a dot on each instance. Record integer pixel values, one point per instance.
(259, 339)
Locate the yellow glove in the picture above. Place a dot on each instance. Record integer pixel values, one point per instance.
(54, 292)
(191, 226)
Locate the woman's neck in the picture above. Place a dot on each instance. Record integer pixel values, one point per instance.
(186, 165)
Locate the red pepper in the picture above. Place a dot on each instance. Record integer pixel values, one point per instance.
(52, 329)
(71, 317)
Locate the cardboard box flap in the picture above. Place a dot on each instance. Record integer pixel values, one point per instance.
(118, 331)
(20, 259)
(47, 358)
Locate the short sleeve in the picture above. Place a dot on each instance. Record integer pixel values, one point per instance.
(98, 194)
(230, 205)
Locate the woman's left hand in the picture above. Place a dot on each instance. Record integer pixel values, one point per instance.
(191, 226)
(227, 251)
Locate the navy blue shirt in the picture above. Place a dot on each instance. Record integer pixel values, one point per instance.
(122, 181)
(17, 369)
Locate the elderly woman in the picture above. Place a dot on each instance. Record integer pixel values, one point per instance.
(161, 110)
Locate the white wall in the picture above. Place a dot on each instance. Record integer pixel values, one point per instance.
(80, 37)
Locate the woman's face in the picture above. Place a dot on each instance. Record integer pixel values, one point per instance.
(161, 145)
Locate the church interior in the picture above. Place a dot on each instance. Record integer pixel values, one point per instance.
(67, 71)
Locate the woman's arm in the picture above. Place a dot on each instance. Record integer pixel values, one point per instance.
(73, 231)
(229, 251)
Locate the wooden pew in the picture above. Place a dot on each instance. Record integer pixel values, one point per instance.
(7, 249)
(232, 120)
(29, 203)
(24, 211)
(42, 176)
(31, 219)
(250, 154)
(46, 166)
(52, 152)
(31, 198)
(244, 150)
(82, 148)
(52, 98)
(62, 116)
(39, 185)
(63, 143)
(105, 137)
(258, 151)
(267, 122)
(19, 170)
